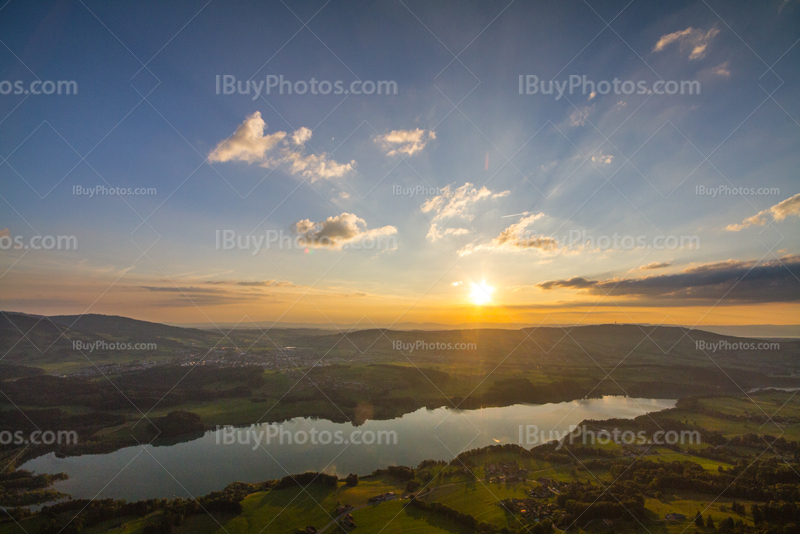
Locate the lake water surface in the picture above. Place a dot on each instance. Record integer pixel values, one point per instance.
(208, 464)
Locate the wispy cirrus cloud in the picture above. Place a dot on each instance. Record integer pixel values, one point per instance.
(435, 233)
(457, 203)
(251, 144)
(516, 238)
(407, 142)
(694, 39)
(778, 212)
(186, 296)
(578, 116)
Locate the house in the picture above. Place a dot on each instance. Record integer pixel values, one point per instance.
(347, 522)
(675, 517)
(382, 497)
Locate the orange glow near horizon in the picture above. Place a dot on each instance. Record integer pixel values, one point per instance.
(460, 305)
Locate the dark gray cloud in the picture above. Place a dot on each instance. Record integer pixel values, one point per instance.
(734, 281)
(254, 283)
(655, 265)
(577, 282)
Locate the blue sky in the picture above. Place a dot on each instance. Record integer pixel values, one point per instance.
(508, 179)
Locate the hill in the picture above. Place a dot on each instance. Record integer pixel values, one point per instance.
(605, 345)
(117, 327)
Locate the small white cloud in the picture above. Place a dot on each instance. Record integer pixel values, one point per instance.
(756, 220)
(778, 212)
(407, 142)
(602, 159)
(693, 39)
(342, 195)
(790, 206)
(313, 166)
(301, 135)
(722, 70)
(339, 231)
(457, 283)
(250, 144)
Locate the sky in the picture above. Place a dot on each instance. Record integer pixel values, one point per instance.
(383, 163)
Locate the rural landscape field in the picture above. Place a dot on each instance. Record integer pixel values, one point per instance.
(306, 266)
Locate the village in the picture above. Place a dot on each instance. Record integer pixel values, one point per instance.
(287, 359)
(504, 472)
(535, 507)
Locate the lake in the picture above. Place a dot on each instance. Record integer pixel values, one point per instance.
(270, 451)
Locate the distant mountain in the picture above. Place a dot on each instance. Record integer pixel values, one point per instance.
(39, 341)
(765, 331)
(607, 346)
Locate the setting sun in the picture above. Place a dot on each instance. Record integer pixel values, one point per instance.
(481, 293)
